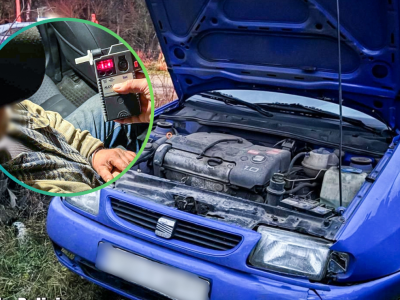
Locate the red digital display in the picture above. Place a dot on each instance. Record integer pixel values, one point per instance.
(105, 65)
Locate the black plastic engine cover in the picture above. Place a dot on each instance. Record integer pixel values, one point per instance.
(235, 163)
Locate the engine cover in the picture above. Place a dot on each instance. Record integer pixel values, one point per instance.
(227, 162)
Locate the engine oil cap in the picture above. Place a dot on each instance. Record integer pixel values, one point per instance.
(258, 158)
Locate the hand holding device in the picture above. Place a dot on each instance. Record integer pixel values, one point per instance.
(117, 66)
(141, 87)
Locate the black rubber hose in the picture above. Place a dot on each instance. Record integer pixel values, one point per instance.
(143, 158)
(294, 159)
(240, 141)
(300, 186)
(147, 154)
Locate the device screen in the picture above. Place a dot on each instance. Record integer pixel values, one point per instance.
(105, 67)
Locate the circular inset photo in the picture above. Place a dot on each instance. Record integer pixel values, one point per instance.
(76, 108)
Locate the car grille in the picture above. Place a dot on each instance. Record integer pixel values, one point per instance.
(186, 232)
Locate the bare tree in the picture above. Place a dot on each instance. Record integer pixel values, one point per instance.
(7, 11)
(128, 18)
(68, 8)
(140, 32)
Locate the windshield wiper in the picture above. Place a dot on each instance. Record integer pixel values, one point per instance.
(282, 107)
(299, 108)
(230, 100)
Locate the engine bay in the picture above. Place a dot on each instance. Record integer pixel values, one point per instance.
(290, 183)
(219, 163)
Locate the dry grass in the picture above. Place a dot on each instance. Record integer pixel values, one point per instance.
(153, 60)
(164, 91)
(30, 269)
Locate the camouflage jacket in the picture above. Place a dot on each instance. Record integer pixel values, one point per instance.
(59, 160)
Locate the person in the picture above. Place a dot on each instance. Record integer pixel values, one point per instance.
(48, 152)
(53, 154)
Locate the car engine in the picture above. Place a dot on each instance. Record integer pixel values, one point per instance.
(220, 163)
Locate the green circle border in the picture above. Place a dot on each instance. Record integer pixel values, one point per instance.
(151, 117)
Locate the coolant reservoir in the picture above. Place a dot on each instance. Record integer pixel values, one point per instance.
(318, 160)
(352, 180)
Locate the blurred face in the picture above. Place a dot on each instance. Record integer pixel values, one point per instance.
(4, 119)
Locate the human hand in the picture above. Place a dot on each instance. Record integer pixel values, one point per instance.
(109, 163)
(136, 86)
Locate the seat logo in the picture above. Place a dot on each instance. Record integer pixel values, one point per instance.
(165, 227)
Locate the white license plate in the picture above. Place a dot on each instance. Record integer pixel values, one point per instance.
(169, 281)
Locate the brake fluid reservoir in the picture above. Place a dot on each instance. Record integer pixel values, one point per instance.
(352, 180)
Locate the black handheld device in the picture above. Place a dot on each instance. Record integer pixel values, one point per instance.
(116, 66)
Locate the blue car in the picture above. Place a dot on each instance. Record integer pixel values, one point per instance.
(249, 188)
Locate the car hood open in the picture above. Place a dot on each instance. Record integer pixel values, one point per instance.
(288, 46)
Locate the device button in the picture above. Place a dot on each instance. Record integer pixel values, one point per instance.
(122, 63)
(120, 100)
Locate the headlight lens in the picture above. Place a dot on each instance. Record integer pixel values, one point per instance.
(88, 203)
(291, 253)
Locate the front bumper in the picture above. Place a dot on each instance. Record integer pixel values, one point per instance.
(81, 236)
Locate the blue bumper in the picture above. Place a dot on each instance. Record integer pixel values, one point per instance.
(81, 236)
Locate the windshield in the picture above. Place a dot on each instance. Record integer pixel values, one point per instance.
(257, 97)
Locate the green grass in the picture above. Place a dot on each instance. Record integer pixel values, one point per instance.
(31, 269)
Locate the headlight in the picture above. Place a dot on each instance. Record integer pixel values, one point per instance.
(290, 253)
(88, 203)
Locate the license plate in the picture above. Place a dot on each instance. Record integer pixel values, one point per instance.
(166, 280)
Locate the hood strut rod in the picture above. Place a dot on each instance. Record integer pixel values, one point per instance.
(340, 103)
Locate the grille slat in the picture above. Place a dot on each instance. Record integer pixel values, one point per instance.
(186, 232)
(136, 222)
(198, 242)
(217, 234)
(131, 208)
(195, 235)
(135, 215)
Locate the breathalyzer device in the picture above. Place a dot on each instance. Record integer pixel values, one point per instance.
(117, 65)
